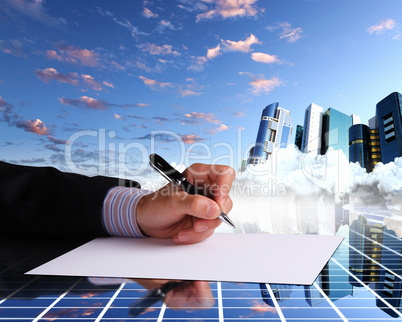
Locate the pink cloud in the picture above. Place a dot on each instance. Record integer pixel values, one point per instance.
(191, 138)
(75, 55)
(9, 116)
(50, 74)
(12, 47)
(221, 128)
(287, 32)
(262, 85)
(214, 52)
(158, 50)
(229, 9)
(108, 84)
(33, 126)
(265, 58)
(383, 25)
(91, 82)
(241, 45)
(84, 101)
(188, 92)
(148, 13)
(207, 117)
(153, 84)
(95, 104)
(225, 46)
(56, 141)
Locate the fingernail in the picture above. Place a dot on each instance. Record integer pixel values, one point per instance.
(211, 211)
(200, 228)
(184, 237)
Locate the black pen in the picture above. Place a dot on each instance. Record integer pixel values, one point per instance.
(177, 179)
(155, 295)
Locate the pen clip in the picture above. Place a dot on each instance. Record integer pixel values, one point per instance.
(165, 169)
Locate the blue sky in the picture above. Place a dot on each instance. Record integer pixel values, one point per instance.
(199, 71)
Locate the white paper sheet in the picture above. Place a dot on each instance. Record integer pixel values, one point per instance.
(255, 258)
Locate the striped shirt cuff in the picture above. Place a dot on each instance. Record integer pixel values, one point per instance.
(120, 211)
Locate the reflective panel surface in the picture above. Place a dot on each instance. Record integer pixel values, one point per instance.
(361, 282)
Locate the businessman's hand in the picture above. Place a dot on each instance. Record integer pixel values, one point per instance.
(172, 213)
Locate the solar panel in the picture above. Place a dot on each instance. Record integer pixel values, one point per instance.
(361, 282)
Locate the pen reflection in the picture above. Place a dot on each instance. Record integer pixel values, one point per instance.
(177, 295)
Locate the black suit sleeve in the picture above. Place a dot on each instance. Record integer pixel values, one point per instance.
(42, 201)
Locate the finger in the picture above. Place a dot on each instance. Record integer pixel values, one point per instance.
(190, 236)
(194, 205)
(218, 178)
(194, 295)
(201, 225)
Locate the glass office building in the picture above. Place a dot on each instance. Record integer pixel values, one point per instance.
(312, 132)
(374, 143)
(388, 114)
(335, 131)
(389, 285)
(274, 132)
(299, 136)
(359, 148)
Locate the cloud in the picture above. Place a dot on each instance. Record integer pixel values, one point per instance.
(286, 31)
(383, 25)
(265, 58)
(33, 126)
(153, 84)
(214, 52)
(85, 102)
(71, 54)
(224, 47)
(192, 138)
(149, 14)
(33, 160)
(164, 24)
(50, 74)
(94, 104)
(56, 141)
(195, 117)
(163, 137)
(262, 85)
(188, 92)
(53, 147)
(222, 127)
(91, 82)
(12, 47)
(241, 45)
(158, 50)
(9, 116)
(198, 63)
(238, 114)
(30, 9)
(134, 31)
(108, 84)
(191, 5)
(229, 9)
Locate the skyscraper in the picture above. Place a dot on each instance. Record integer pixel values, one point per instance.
(355, 119)
(274, 132)
(388, 112)
(311, 142)
(374, 143)
(389, 285)
(299, 136)
(366, 240)
(359, 148)
(335, 131)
